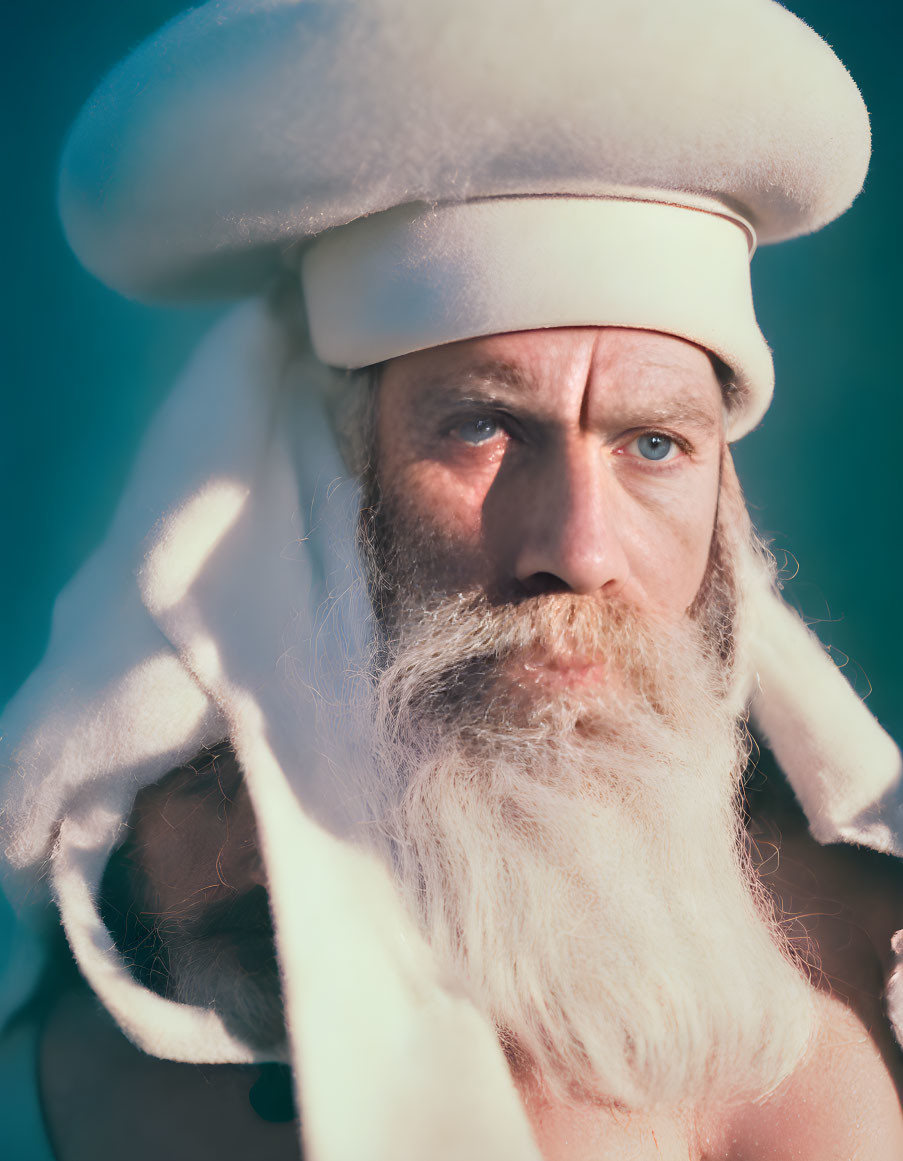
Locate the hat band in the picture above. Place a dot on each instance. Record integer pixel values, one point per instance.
(419, 276)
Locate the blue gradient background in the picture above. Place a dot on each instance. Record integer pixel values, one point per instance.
(84, 369)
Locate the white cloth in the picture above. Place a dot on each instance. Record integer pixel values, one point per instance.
(227, 601)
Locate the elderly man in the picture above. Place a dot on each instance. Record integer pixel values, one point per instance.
(395, 736)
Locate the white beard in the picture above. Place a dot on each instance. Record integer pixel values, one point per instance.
(578, 865)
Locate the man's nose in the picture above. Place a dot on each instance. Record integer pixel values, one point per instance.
(570, 530)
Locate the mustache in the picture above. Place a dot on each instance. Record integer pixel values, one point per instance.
(448, 651)
(561, 625)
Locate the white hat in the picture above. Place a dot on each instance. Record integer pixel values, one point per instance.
(544, 164)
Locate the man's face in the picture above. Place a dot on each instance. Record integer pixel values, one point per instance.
(582, 460)
(556, 746)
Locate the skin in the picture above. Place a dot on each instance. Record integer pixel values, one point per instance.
(524, 451)
(533, 456)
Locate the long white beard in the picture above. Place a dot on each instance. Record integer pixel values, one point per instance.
(578, 864)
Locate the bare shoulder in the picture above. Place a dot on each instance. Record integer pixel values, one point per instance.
(840, 1104)
(841, 905)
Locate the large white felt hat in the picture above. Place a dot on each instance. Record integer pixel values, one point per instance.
(543, 164)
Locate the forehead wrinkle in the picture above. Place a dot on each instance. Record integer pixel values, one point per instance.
(631, 393)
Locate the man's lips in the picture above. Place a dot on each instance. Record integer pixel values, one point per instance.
(541, 670)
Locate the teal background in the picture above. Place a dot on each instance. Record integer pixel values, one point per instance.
(85, 369)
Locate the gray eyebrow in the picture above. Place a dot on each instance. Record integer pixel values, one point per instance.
(680, 414)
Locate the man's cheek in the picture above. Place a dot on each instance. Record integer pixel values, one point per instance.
(668, 553)
(671, 567)
(439, 547)
(446, 502)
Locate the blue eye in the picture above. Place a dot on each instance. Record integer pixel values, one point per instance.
(478, 430)
(654, 446)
